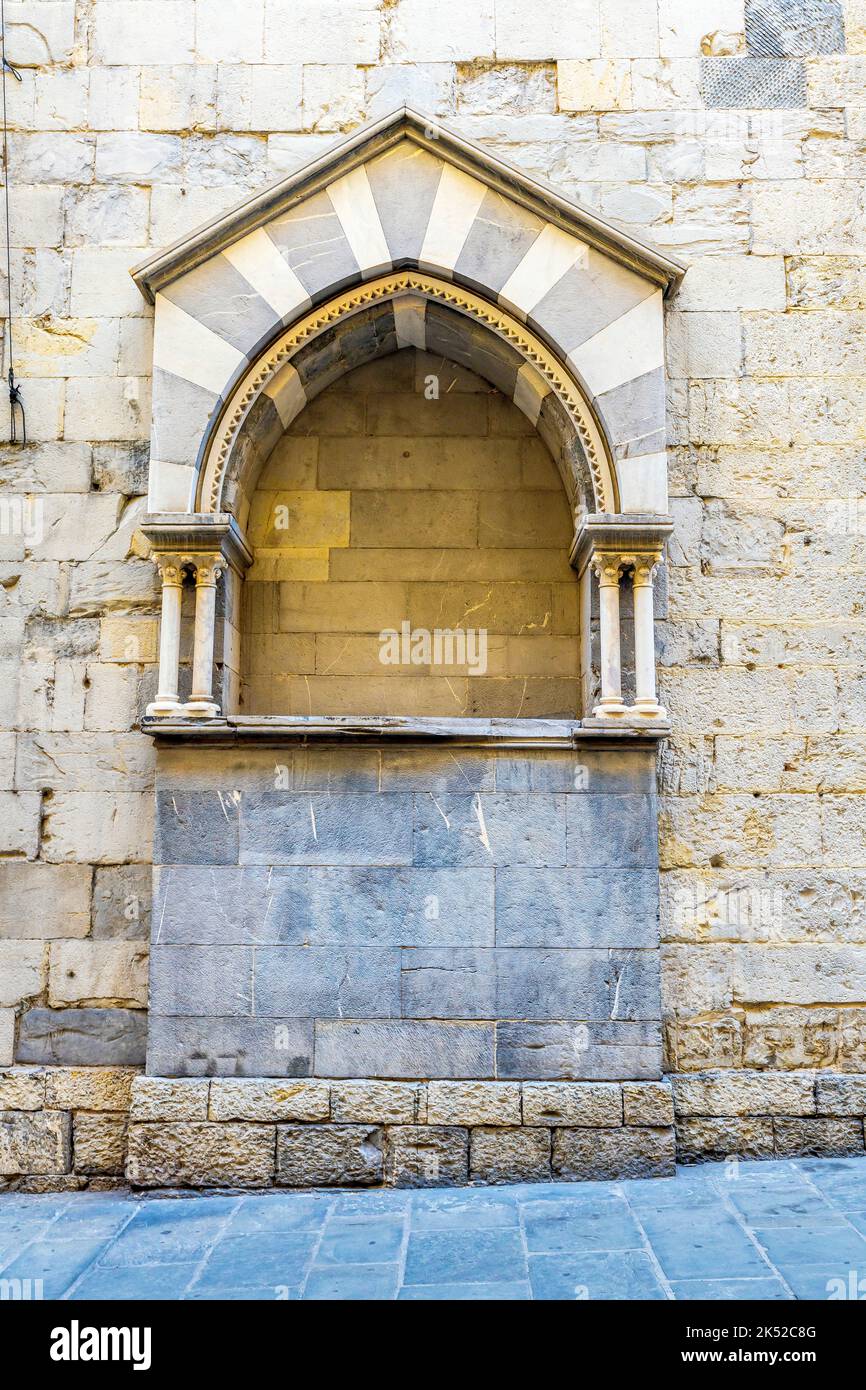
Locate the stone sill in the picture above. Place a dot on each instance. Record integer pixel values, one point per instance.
(510, 733)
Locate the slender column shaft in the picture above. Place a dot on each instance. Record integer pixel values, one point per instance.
(608, 570)
(167, 700)
(208, 571)
(646, 700)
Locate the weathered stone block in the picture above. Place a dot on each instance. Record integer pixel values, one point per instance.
(89, 1088)
(200, 1155)
(268, 1100)
(21, 1089)
(286, 828)
(473, 1103)
(195, 828)
(426, 1156)
(572, 907)
(215, 980)
(510, 1155)
(328, 1155)
(99, 1144)
(7, 1037)
(557, 1103)
(155, 1098)
(647, 1103)
(403, 1049)
(33, 1143)
(488, 829)
(834, 1095)
(614, 1153)
(22, 970)
(744, 1093)
(216, 1046)
(803, 1137)
(578, 1051)
(718, 1138)
(97, 971)
(91, 1037)
(377, 1102)
(317, 981)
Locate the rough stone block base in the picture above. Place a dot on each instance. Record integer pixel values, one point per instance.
(65, 1128)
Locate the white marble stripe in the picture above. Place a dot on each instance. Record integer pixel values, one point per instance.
(355, 206)
(630, 346)
(455, 206)
(169, 486)
(410, 321)
(530, 390)
(643, 483)
(549, 257)
(188, 349)
(287, 394)
(257, 259)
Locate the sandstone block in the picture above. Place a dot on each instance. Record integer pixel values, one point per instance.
(94, 972)
(744, 1093)
(22, 1089)
(99, 1144)
(33, 1143)
(377, 1102)
(89, 1088)
(834, 1095)
(742, 1137)
(473, 1103)
(22, 970)
(510, 1155)
(328, 1155)
(157, 1098)
(7, 1037)
(243, 1099)
(426, 1156)
(558, 1103)
(200, 1155)
(821, 1137)
(613, 1153)
(648, 1103)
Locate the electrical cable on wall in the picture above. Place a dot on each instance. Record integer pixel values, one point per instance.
(16, 404)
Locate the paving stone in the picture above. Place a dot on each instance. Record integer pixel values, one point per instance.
(192, 1154)
(426, 1155)
(510, 1155)
(612, 1153)
(328, 1155)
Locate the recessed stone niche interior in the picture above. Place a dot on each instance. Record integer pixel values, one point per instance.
(410, 491)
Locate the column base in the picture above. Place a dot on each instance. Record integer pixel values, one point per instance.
(649, 709)
(201, 709)
(164, 709)
(609, 709)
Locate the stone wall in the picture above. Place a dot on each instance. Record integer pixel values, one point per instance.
(405, 912)
(410, 491)
(64, 1128)
(723, 131)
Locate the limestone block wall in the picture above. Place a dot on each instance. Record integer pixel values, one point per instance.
(729, 131)
(411, 491)
(405, 912)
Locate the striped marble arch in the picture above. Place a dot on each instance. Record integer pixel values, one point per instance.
(407, 235)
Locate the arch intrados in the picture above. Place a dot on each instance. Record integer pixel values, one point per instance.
(225, 429)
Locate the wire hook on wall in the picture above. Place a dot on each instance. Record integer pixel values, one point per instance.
(16, 404)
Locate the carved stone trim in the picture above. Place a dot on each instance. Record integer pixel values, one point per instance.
(393, 286)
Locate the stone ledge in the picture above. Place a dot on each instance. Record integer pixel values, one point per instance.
(65, 1128)
(390, 729)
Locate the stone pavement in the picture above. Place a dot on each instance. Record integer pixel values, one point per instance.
(773, 1230)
